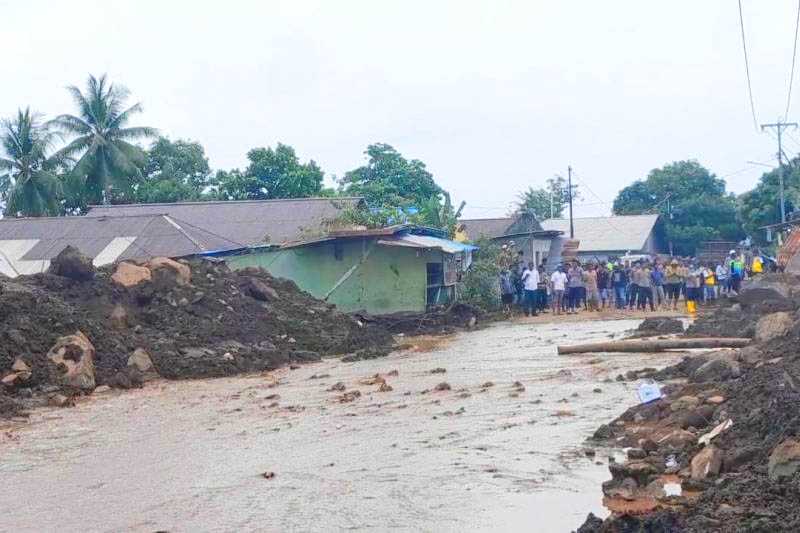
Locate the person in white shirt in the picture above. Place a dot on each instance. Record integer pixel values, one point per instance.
(558, 284)
(530, 281)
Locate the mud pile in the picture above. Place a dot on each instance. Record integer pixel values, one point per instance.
(727, 431)
(445, 320)
(217, 323)
(659, 326)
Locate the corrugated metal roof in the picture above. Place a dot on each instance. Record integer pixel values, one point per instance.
(28, 244)
(426, 241)
(489, 228)
(600, 234)
(249, 222)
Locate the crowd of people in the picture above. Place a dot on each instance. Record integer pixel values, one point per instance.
(647, 284)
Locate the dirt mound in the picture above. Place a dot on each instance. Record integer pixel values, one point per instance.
(445, 320)
(659, 326)
(214, 326)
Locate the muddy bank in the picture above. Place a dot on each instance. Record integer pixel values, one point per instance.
(727, 431)
(202, 321)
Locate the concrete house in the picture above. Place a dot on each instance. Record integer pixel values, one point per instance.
(522, 231)
(384, 271)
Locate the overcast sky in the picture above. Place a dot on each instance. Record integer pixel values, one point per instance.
(493, 96)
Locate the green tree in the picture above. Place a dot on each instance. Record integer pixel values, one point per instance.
(546, 202)
(108, 163)
(30, 186)
(174, 171)
(692, 200)
(271, 173)
(761, 206)
(390, 180)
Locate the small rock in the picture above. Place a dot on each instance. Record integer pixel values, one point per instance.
(101, 389)
(589, 452)
(393, 373)
(773, 325)
(715, 400)
(487, 385)
(119, 317)
(268, 475)
(60, 400)
(385, 387)
(130, 275)
(228, 356)
(648, 445)
(443, 386)
(597, 390)
(340, 386)
(706, 463)
(438, 370)
(684, 402)
(636, 453)
(784, 460)
(20, 366)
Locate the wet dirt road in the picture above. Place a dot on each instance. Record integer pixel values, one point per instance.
(189, 456)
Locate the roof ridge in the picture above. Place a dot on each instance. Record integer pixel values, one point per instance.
(227, 202)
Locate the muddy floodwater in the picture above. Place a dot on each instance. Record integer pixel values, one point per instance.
(191, 456)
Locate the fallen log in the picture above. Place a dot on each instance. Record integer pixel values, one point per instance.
(654, 345)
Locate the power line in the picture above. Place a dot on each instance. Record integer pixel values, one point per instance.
(794, 56)
(747, 68)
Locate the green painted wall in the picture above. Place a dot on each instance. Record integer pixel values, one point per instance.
(392, 279)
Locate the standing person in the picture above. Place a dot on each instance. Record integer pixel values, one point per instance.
(542, 290)
(645, 288)
(758, 264)
(530, 279)
(603, 284)
(721, 274)
(710, 277)
(658, 278)
(592, 291)
(735, 271)
(516, 279)
(574, 287)
(636, 278)
(673, 279)
(619, 280)
(507, 291)
(558, 283)
(693, 287)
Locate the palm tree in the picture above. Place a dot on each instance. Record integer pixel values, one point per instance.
(107, 160)
(30, 185)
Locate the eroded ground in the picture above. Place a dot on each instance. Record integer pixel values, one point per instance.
(190, 456)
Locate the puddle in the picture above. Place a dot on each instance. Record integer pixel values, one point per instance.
(189, 456)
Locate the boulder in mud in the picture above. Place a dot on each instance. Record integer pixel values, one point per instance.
(784, 460)
(660, 326)
(141, 361)
(765, 299)
(71, 263)
(706, 463)
(72, 358)
(163, 268)
(684, 402)
(130, 275)
(261, 291)
(718, 369)
(677, 440)
(773, 325)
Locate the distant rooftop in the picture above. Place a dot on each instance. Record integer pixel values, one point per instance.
(602, 234)
(246, 222)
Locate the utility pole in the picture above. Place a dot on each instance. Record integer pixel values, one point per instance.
(569, 195)
(779, 127)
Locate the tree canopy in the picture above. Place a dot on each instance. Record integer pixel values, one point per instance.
(692, 200)
(108, 163)
(174, 171)
(29, 186)
(271, 173)
(761, 205)
(546, 202)
(390, 180)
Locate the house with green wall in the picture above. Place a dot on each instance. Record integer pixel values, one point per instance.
(392, 270)
(379, 271)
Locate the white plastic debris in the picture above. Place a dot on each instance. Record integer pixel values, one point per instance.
(706, 439)
(649, 391)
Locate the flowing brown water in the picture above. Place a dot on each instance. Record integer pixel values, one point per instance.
(189, 456)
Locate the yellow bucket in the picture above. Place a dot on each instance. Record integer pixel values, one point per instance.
(691, 307)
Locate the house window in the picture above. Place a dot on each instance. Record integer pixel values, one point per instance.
(338, 251)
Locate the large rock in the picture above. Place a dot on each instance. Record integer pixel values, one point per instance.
(73, 358)
(706, 463)
(130, 275)
(784, 460)
(165, 268)
(773, 326)
(141, 361)
(71, 263)
(677, 440)
(718, 369)
(261, 291)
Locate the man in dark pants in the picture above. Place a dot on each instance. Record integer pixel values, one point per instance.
(530, 280)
